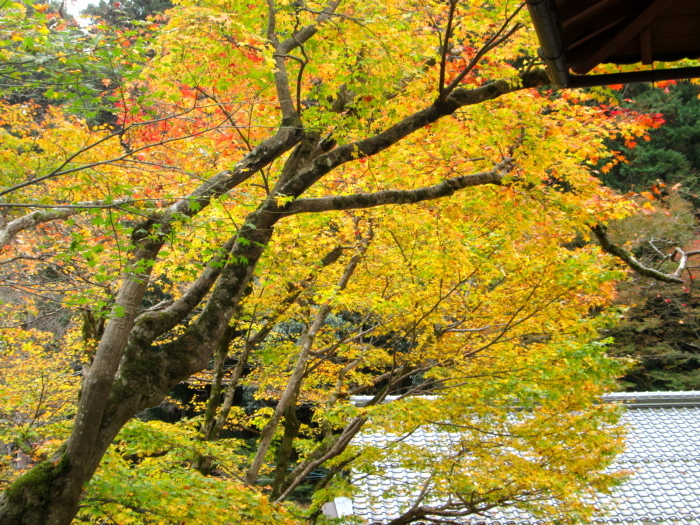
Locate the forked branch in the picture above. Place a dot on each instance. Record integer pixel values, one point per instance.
(503, 34)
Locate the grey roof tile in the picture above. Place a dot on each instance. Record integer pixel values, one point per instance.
(663, 452)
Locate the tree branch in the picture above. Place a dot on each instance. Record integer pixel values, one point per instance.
(12, 228)
(445, 50)
(60, 171)
(306, 344)
(304, 469)
(613, 249)
(684, 258)
(305, 33)
(251, 342)
(284, 93)
(461, 97)
(382, 198)
(493, 42)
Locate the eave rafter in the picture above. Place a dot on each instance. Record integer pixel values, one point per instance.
(602, 47)
(578, 35)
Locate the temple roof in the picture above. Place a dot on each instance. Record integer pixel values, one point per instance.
(662, 456)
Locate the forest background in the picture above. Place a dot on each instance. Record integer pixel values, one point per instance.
(489, 287)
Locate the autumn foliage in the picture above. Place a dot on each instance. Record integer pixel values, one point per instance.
(299, 203)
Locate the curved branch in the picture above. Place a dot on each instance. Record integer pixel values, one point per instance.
(613, 249)
(459, 98)
(155, 323)
(682, 264)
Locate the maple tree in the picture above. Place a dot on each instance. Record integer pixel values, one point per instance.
(668, 154)
(424, 222)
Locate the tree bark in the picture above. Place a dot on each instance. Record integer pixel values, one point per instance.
(613, 249)
(113, 391)
(283, 455)
(252, 342)
(203, 463)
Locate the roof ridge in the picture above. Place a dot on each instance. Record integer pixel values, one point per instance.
(629, 399)
(649, 399)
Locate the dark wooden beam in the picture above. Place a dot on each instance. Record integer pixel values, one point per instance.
(616, 14)
(602, 28)
(645, 45)
(631, 77)
(570, 19)
(552, 50)
(607, 46)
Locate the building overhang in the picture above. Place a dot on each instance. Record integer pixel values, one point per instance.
(577, 35)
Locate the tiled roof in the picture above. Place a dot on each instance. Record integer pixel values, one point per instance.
(650, 399)
(663, 455)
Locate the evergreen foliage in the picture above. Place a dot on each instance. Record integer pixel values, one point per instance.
(659, 328)
(672, 153)
(123, 13)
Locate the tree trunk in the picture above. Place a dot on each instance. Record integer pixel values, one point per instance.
(285, 450)
(294, 384)
(127, 377)
(204, 463)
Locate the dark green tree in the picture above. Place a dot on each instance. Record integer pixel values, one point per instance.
(124, 13)
(672, 155)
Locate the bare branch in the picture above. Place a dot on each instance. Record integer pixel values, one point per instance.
(684, 259)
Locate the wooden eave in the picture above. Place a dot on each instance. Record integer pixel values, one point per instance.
(577, 35)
